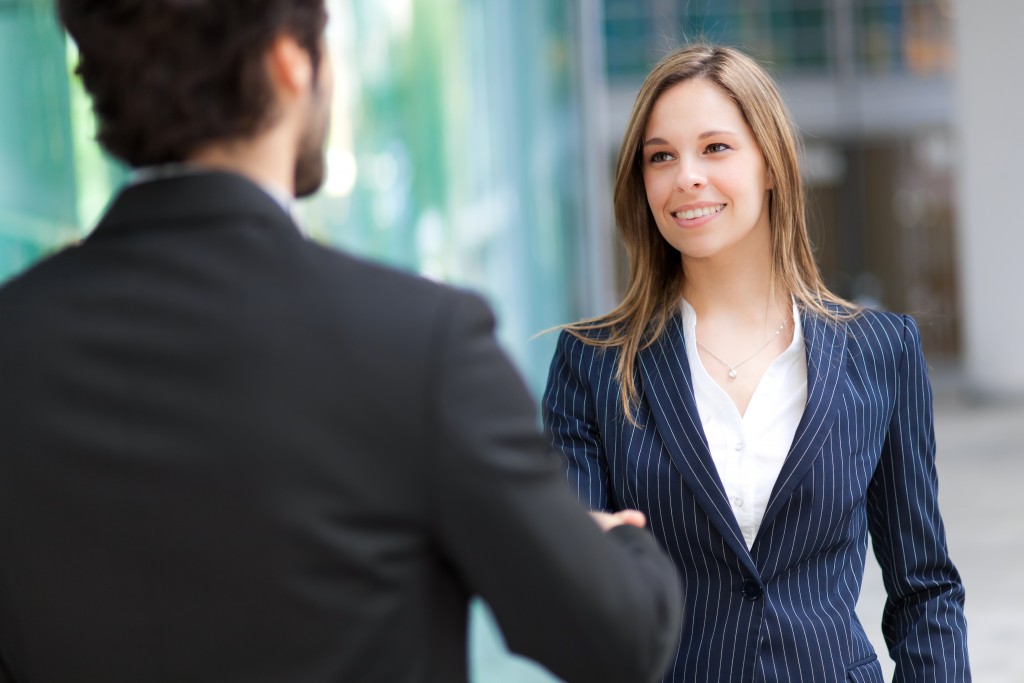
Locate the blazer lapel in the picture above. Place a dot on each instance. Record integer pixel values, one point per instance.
(825, 344)
(668, 392)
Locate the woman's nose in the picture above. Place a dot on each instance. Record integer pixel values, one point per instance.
(691, 175)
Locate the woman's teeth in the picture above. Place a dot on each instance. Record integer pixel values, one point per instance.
(697, 213)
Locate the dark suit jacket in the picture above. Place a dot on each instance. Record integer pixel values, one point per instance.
(862, 460)
(230, 454)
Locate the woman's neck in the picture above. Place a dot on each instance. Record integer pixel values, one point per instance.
(741, 290)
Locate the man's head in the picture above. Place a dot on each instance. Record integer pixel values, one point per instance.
(169, 78)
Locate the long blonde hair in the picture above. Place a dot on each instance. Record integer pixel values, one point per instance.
(655, 267)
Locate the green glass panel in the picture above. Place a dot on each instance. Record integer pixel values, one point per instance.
(37, 184)
(457, 152)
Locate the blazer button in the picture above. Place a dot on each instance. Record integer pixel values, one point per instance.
(751, 591)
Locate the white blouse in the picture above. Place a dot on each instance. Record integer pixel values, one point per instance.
(749, 450)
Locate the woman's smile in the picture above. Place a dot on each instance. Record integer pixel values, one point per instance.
(691, 217)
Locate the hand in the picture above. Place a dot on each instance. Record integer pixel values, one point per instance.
(610, 520)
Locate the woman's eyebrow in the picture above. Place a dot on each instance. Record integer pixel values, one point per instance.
(655, 141)
(713, 133)
(706, 134)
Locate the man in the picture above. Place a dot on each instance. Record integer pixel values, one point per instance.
(234, 455)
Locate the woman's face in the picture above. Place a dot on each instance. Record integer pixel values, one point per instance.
(705, 177)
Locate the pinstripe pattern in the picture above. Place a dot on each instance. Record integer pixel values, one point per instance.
(862, 461)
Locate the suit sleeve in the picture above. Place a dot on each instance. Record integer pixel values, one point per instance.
(923, 621)
(570, 420)
(589, 606)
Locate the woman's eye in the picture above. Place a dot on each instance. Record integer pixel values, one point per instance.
(717, 147)
(658, 157)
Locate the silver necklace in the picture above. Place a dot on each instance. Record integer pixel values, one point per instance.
(732, 366)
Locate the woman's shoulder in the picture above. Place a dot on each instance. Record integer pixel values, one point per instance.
(582, 337)
(588, 341)
(858, 319)
(871, 329)
(594, 331)
(883, 323)
(885, 336)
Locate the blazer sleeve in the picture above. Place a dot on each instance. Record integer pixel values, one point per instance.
(571, 421)
(589, 606)
(923, 621)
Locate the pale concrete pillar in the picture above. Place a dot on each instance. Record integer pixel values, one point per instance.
(989, 168)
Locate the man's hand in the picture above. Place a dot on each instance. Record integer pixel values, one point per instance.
(610, 520)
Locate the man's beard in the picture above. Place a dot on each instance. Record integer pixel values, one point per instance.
(309, 164)
(309, 172)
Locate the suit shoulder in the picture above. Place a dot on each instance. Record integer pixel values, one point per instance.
(889, 338)
(401, 295)
(34, 282)
(893, 327)
(577, 339)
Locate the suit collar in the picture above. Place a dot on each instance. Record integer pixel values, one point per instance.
(668, 392)
(825, 342)
(190, 198)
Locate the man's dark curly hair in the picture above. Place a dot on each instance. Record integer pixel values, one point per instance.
(169, 76)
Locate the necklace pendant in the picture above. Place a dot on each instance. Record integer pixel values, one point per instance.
(732, 373)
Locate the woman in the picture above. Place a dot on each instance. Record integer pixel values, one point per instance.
(762, 424)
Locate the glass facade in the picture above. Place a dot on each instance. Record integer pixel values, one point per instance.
(38, 209)
(793, 36)
(455, 153)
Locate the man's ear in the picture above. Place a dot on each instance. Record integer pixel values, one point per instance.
(291, 67)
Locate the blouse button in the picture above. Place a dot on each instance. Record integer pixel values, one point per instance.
(740, 445)
(738, 502)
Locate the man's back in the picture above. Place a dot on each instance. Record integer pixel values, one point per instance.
(235, 455)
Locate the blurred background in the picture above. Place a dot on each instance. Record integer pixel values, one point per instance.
(474, 141)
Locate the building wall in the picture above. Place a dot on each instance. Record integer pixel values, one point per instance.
(990, 153)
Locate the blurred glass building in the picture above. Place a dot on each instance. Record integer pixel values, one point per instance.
(38, 200)
(473, 141)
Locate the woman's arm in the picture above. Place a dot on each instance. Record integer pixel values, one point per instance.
(571, 421)
(923, 622)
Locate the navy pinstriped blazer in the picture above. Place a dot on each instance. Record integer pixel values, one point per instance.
(862, 461)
